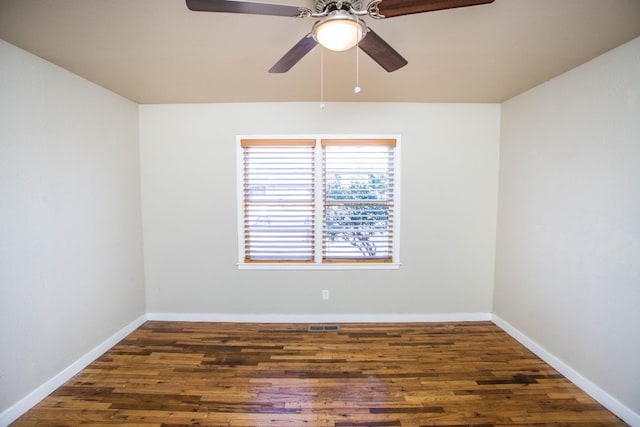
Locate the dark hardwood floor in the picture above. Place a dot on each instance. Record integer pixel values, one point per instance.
(221, 374)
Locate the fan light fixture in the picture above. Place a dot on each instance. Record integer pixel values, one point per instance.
(339, 31)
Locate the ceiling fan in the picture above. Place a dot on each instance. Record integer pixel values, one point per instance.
(339, 27)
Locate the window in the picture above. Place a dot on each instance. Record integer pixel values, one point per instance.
(279, 199)
(318, 202)
(358, 200)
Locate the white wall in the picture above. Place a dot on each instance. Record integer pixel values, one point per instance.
(449, 198)
(568, 241)
(71, 271)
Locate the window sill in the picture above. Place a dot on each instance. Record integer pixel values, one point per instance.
(317, 266)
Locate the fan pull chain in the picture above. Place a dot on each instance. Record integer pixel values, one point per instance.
(357, 88)
(321, 78)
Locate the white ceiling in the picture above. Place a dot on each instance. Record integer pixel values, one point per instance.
(157, 51)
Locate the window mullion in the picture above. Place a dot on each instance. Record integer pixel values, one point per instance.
(319, 202)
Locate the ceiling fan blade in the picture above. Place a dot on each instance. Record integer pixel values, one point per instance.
(295, 54)
(231, 6)
(390, 8)
(380, 51)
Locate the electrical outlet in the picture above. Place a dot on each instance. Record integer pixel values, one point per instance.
(325, 294)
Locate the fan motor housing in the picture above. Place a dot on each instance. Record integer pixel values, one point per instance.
(329, 6)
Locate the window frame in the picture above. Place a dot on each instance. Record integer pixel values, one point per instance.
(317, 263)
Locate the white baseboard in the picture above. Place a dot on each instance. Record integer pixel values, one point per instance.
(319, 318)
(30, 400)
(608, 401)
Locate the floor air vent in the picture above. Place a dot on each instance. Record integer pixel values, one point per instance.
(323, 328)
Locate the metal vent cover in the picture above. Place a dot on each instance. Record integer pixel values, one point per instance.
(323, 328)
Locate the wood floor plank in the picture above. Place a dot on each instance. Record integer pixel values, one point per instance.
(168, 374)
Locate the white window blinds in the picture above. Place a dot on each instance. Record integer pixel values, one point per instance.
(329, 203)
(279, 197)
(358, 191)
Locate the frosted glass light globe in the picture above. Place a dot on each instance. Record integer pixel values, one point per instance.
(339, 32)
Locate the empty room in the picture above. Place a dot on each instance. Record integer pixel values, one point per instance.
(213, 212)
